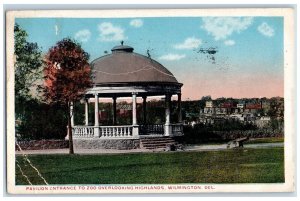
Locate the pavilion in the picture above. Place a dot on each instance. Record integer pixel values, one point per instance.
(124, 73)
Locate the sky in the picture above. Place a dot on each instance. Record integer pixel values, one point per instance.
(248, 52)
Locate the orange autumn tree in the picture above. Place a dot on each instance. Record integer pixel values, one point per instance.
(67, 76)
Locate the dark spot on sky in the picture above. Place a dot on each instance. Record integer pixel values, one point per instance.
(210, 52)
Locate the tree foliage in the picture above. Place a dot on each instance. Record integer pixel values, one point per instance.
(27, 63)
(67, 76)
(67, 72)
(35, 120)
(27, 70)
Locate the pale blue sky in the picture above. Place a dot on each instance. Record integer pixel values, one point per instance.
(250, 49)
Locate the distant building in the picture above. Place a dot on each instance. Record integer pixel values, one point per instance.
(227, 105)
(222, 110)
(249, 117)
(209, 104)
(250, 111)
(239, 117)
(263, 121)
(253, 107)
(240, 105)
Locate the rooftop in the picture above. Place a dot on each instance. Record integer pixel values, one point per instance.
(125, 66)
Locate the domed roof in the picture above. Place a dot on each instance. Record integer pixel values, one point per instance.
(123, 48)
(125, 66)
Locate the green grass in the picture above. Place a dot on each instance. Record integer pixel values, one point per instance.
(228, 166)
(265, 140)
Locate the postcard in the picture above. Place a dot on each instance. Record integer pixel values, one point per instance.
(150, 101)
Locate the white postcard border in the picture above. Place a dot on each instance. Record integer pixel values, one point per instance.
(289, 95)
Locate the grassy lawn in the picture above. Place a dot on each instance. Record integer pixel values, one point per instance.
(265, 140)
(228, 166)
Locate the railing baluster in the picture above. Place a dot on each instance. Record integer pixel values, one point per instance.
(112, 131)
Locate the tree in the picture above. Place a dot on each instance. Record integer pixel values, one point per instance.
(67, 76)
(28, 63)
(42, 121)
(206, 98)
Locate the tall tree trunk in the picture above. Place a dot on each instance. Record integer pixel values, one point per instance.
(71, 148)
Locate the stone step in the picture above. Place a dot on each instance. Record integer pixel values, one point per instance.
(158, 144)
(156, 147)
(155, 139)
(158, 141)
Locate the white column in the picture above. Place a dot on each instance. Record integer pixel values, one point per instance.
(86, 112)
(96, 129)
(96, 110)
(135, 127)
(168, 115)
(134, 120)
(168, 109)
(72, 113)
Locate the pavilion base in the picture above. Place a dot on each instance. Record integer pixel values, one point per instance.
(92, 143)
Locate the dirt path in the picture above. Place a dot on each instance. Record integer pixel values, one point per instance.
(84, 151)
(114, 151)
(224, 146)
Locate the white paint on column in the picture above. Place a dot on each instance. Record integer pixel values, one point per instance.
(86, 112)
(96, 110)
(134, 120)
(168, 109)
(72, 113)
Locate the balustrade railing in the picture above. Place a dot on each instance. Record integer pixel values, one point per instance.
(151, 129)
(104, 131)
(177, 129)
(115, 131)
(125, 131)
(83, 131)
